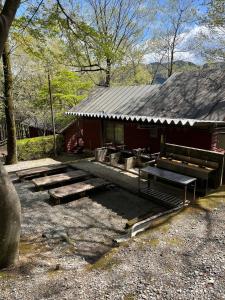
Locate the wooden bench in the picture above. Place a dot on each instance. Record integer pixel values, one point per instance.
(77, 188)
(201, 172)
(40, 171)
(59, 178)
(207, 166)
(187, 168)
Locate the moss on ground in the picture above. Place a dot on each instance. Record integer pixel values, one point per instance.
(174, 241)
(129, 296)
(154, 242)
(106, 262)
(4, 276)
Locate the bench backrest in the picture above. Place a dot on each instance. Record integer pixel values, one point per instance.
(193, 160)
(201, 157)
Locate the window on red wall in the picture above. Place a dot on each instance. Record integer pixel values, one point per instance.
(114, 132)
(119, 133)
(109, 132)
(221, 141)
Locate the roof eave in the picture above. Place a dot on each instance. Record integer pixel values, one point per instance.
(155, 120)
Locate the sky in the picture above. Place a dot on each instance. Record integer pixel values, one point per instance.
(189, 36)
(198, 35)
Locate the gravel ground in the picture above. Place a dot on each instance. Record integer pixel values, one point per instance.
(67, 250)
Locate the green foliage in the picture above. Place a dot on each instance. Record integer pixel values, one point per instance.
(38, 147)
(132, 75)
(216, 12)
(68, 89)
(62, 121)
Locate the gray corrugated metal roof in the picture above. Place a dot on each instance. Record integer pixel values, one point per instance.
(196, 95)
(185, 98)
(116, 100)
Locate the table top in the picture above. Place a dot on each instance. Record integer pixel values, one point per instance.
(168, 175)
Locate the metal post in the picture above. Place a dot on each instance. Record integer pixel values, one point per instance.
(206, 186)
(194, 189)
(185, 193)
(139, 183)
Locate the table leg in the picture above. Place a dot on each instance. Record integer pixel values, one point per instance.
(185, 193)
(206, 186)
(139, 180)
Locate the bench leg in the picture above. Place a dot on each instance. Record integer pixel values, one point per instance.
(206, 186)
(194, 193)
(148, 181)
(185, 194)
(139, 180)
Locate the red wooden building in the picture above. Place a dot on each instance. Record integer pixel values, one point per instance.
(188, 109)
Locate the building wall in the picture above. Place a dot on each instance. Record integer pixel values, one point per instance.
(218, 140)
(71, 136)
(136, 137)
(186, 136)
(92, 136)
(190, 136)
(85, 132)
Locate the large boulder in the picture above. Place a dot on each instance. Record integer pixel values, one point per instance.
(10, 220)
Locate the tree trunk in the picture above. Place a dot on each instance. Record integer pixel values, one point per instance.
(10, 212)
(170, 69)
(108, 72)
(6, 17)
(9, 107)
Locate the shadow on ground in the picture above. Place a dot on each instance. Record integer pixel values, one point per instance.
(91, 223)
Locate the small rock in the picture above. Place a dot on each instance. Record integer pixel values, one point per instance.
(210, 281)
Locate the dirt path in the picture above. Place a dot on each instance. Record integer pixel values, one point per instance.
(180, 257)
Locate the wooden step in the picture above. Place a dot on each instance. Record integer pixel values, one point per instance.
(77, 188)
(59, 178)
(40, 171)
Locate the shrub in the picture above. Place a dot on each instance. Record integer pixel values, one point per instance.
(38, 147)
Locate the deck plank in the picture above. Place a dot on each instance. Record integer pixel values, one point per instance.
(59, 178)
(39, 170)
(76, 188)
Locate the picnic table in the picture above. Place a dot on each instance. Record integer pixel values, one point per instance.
(169, 176)
(59, 178)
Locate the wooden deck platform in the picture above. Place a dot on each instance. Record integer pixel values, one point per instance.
(40, 171)
(59, 178)
(77, 188)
